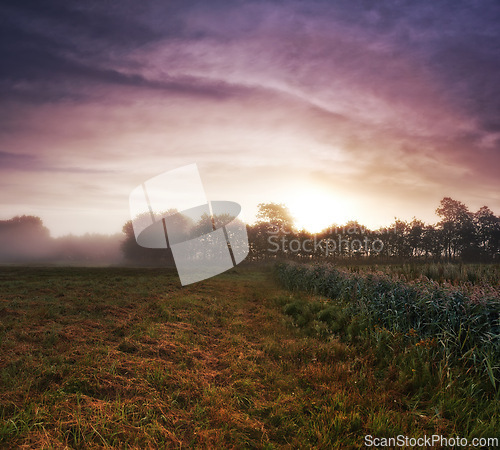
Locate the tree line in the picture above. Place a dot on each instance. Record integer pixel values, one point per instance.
(459, 235)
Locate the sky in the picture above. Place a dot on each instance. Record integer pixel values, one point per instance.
(365, 110)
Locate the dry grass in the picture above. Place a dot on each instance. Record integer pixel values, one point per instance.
(127, 358)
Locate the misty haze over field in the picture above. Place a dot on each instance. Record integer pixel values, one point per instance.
(25, 239)
(460, 235)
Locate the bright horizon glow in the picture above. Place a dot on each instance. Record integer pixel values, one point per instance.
(315, 210)
(332, 109)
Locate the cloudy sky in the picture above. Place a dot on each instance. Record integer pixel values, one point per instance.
(339, 109)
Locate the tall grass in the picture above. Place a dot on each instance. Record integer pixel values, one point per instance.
(454, 273)
(463, 320)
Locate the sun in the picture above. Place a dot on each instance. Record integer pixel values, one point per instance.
(315, 210)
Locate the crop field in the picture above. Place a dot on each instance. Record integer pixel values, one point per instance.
(258, 357)
(461, 319)
(455, 274)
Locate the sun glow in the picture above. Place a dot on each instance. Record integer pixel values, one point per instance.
(314, 210)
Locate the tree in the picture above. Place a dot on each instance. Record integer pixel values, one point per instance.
(487, 231)
(24, 238)
(395, 238)
(181, 227)
(432, 242)
(132, 251)
(416, 237)
(258, 241)
(274, 223)
(457, 227)
(276, 215)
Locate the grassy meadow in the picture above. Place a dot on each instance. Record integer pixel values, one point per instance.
(122, 357)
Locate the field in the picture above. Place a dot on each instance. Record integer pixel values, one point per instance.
(122, 357)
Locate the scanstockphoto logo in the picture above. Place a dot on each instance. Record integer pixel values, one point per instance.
(171, 211)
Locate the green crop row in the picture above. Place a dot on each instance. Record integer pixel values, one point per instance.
(464, 322)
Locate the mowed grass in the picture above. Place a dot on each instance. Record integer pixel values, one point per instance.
(116, 357)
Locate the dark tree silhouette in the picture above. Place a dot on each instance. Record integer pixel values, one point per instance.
(274, 221)
(487, 232)
(133, 252)
(457, 227)
(459, 234)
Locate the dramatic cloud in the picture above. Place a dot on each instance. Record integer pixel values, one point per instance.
(389, 106)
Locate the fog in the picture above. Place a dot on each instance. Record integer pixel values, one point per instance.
(24, 239)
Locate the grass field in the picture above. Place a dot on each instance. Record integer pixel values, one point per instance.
(117, 357)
